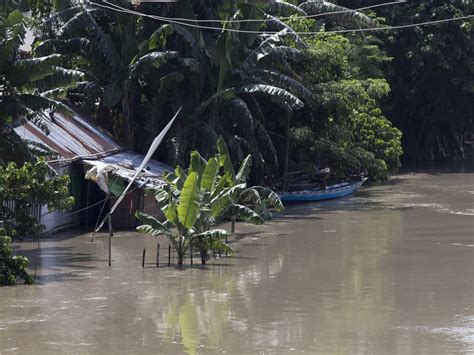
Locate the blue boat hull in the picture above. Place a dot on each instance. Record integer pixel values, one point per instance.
(332, 192)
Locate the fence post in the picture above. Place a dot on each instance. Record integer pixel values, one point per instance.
(110, 238)
(158, 255)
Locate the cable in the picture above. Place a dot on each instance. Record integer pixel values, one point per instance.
(171, 20)
(83, 209)
(265, 20)
(385, 28)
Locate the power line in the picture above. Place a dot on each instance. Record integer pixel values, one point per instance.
(370, 29)
(172, 20)
(82, 209)
(268, 20)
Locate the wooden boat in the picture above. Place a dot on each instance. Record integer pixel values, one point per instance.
(317, 194)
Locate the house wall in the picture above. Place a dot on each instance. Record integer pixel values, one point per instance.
(151, 207)
(124, 216)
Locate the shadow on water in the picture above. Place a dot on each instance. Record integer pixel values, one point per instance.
(61, 257)
(237, 236)
(73, 276)
(60, 263)
(439, 167)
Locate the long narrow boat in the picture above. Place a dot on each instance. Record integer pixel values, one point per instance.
(317, 194)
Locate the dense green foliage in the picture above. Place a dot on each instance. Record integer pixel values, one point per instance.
(195, 199)
(346, 130)
(295, 103)
(27, 186)
(12, 267)
(27, 85)
(431, 76)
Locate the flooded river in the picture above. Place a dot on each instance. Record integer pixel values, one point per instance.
(388, 271)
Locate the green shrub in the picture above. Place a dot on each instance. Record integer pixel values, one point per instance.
(12, 267)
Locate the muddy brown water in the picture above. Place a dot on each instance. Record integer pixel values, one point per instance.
(387, 271)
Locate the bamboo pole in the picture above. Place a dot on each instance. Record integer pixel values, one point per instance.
(169, 255)
(158, 255)
(109, 217)
(191, 253)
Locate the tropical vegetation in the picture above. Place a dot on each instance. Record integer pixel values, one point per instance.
(28, 86)
(194, 200)
(251, 73)
(22, 188)
(12, 267)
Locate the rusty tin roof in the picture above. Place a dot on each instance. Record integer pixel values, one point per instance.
(70, 137)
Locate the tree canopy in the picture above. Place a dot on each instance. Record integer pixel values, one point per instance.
(294, 102)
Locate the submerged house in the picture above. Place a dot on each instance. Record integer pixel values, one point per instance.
(75, 144)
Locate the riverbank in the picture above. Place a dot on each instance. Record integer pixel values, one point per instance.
(386, 271)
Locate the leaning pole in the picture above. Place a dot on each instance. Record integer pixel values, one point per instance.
(149, 154)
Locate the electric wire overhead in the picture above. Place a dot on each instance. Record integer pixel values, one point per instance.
(267, 19)
(369, 29)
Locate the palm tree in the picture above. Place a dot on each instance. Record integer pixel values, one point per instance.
(232, 84)
(28, 86)
(111, 55)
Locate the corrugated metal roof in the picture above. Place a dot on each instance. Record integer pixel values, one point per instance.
(126, 164)
(70, 137)
(77, 139)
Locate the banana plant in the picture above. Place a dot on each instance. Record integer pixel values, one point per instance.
(237, 201)
(182, 211)
(28, 85)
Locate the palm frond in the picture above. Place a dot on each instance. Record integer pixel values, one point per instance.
(264, 49)
(77, 45)
(274, 78)
(154, 59)
(76, 26)
(270, 197)
(275, 23)
(61, 17)
(278, 95)
(242, 212)
(40, 103)
(244, 170)
(250, 197)
(267, 148)
(152, 226)
(284, 8)
(342, 15)
(60, 78)
(12, 37)
(238, 110)
(27, 70)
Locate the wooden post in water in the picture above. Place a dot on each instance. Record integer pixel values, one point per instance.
(109, 218)
(143, 258)
(158, 255)
(233, 227)
(191, 253)
(169, 255)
